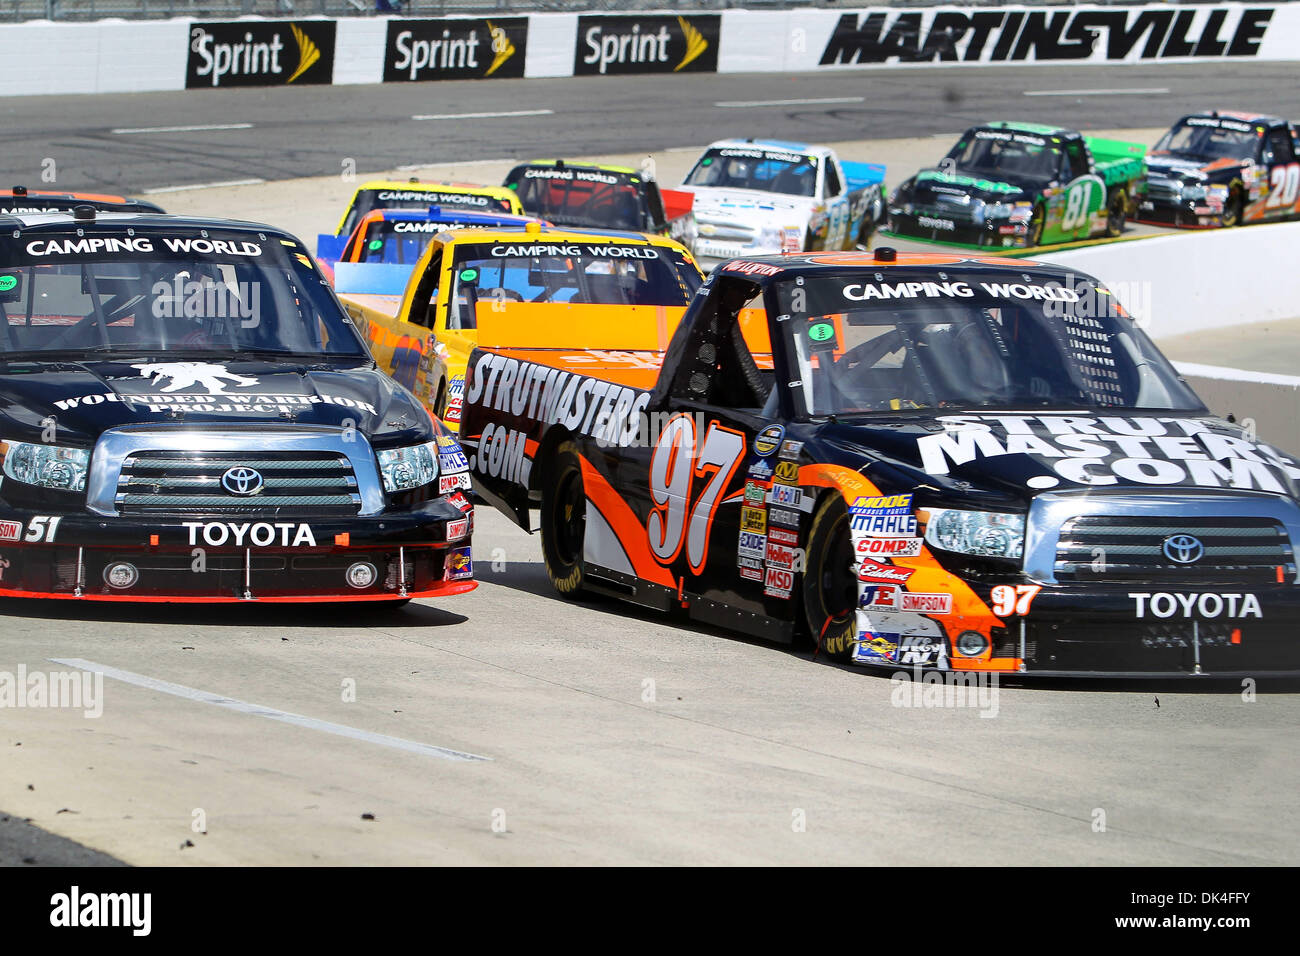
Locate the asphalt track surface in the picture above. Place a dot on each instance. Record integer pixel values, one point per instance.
(261, 735)
(310, 131)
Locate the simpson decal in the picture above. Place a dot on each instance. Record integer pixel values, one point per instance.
(926, 603)
(11, 530)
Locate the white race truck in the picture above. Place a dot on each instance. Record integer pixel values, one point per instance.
(759, 197)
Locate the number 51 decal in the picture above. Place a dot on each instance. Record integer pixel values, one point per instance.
(687, 478)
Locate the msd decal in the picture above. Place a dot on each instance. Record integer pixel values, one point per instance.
(778, 583)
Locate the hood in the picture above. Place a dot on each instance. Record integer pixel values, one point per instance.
(86, 398)
(1192, 169)
(1006, 459)
(933, 185)
(717, 203)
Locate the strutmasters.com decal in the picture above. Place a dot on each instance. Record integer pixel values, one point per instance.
(644, 44)
(455, 49)
(261, 53)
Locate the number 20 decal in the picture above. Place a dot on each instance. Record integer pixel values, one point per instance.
(1283, 187)
(683, 511)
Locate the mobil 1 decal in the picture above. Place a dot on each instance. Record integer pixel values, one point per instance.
(647, 44)
(460, 49)
(1047, 451)
(260, 53)
(690, 469)
(1137, 33)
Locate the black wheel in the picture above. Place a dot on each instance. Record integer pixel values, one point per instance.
(1232, 209)
(1116, 214)
(1036, 223)
(564, 521)
(830, 587)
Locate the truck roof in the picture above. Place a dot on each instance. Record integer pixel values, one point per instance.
(1038, 129)
(765, 269)
(116, 221)
(786, 146)
(561, 234)
(568, 164)
(1241, 115)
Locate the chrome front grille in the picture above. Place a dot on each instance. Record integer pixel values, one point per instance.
(1164, 190)
(1130, 550)
(294, 483)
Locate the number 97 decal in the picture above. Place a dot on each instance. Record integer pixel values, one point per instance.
(687, 479)
(1008, 600)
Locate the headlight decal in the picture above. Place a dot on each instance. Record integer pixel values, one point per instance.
(405, 468)
(45, 466)
(984, 533)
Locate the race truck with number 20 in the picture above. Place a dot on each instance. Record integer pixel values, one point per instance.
(1222, 169)
(1017, 185)
(188, 416)
(913, 460)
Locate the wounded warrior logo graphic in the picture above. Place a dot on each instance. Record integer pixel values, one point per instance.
(188, 374)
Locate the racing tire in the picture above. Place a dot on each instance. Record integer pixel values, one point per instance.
(1036, 222)
(563, 521)
(1116, 214)
(1232, 209)
(830, 587)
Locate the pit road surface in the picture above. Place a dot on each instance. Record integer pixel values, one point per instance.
(613, 735)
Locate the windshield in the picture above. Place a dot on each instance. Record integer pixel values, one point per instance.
(368, 200)
(1209, 139)
(579, 197)
(573, 272)
(214, 292)
(400, 241)
(896, 340)
(1006, 156)
(766, 169)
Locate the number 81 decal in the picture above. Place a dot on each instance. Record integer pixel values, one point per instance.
(687, 478)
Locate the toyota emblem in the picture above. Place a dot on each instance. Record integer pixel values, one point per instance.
(1183, 549)
(242, 482)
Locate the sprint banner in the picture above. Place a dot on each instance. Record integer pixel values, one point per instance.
(455, 49)
(260, 53)
(647, 44)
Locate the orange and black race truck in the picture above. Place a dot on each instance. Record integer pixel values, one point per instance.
(936, 461)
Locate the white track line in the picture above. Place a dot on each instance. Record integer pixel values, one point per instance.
(1153, 91)
(129, 131)
(414, 167)
(181, 189)
(745, 104)
(271, 713)
(496, 115)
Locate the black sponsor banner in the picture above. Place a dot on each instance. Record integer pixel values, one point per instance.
(455, 49)
(261, 53)
(993, 36)
(631, 44)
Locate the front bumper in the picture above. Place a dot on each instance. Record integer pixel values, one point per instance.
(230, 558)
(994, 233)
(1185, 214)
